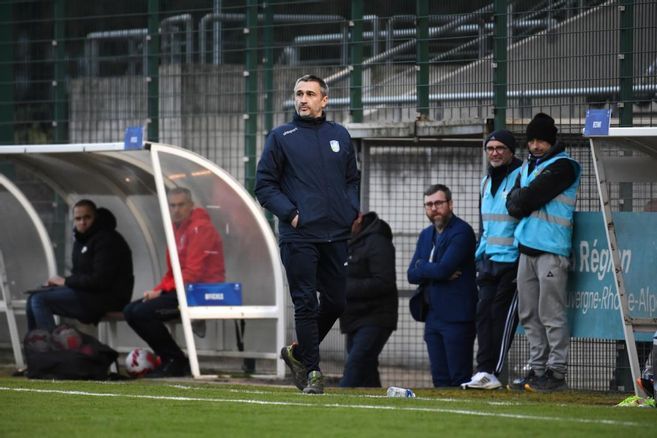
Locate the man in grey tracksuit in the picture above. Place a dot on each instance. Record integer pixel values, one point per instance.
(544, 201)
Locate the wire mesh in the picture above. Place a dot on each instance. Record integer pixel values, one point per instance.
(78, 71)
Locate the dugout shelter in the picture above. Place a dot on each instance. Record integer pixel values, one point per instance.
(132, 182)
(625, 162)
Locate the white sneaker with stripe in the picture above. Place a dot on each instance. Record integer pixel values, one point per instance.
(482, 380)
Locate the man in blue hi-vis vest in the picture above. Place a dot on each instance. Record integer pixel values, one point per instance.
(544, 201)
(497, 263)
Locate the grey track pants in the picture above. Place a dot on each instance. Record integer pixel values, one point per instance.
(542, 310)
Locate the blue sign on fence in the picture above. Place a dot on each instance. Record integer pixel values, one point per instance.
(593, 301)
(597, 122)
(133, 138)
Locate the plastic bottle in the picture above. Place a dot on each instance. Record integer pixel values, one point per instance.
(395, 391)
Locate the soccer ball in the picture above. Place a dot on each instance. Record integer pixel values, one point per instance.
(140, 362)
(37, 341)
(65, 337)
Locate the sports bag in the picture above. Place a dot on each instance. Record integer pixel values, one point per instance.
(67, 354)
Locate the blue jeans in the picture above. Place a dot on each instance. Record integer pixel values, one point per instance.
(43, 305)
(363, 348)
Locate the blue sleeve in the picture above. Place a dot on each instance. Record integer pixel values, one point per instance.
(413, 274)
(460, 249)
(269, 174)
(353, 178)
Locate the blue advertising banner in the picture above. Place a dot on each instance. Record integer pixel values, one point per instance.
(593, 302)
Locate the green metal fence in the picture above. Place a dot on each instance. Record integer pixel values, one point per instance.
(418, 84)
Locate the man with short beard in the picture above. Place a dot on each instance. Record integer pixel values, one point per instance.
(444, 264)
(497, 263)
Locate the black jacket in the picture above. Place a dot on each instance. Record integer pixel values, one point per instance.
(552, 181)
(371, 280)
(308, 167)
(102, 274)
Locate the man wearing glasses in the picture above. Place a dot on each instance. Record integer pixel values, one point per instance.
(444, 264)
(497, 263)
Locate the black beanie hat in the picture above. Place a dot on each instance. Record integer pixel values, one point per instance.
(504, 137)
(542, 128)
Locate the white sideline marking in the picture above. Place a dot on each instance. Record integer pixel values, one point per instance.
(326, 405)
(429, 399)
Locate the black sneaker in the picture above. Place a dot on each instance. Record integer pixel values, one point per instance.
(547, 383)
(315, 383)
(519, 384)
(299, 373)
(170, 368)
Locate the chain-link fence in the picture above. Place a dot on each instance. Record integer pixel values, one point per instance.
(418, 84)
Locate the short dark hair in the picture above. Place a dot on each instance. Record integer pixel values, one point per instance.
(180, 191)
(439, 188)
(312, 78)
(86, 203)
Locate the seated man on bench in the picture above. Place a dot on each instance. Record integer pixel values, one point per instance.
(101, 279)
(201, 256)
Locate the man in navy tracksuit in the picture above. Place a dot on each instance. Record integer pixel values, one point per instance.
(444, 264)
(308, 177)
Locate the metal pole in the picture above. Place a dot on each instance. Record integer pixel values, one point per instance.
(153, 78)
(422, 57)
(356, 79)
(251, 94)
(626, 56)
(499, 63)
(6, 74)
(59, 87)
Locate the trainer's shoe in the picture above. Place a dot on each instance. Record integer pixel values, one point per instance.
(519, 384)
(299, 373)
(315, 383)
(547, 383)
(482, 380)
(170, 368)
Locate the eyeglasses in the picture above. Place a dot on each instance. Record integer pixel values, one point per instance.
(437, 204)
(498, 149)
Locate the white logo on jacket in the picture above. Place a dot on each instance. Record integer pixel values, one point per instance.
(335, 145)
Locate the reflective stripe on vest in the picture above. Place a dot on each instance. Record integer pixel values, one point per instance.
(550, 228)
(498, 226)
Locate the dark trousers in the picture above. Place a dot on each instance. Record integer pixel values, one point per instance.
(363, 348)
(42, 307)
(147, 319)
(313, 268)
(497, 319)
(450, 347)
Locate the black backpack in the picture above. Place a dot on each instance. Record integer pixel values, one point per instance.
(67, 354)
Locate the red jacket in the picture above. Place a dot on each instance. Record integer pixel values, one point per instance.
(200, 251)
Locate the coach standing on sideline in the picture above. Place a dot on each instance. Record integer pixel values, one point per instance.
(308, 177)
(497, 263)
(544, 200)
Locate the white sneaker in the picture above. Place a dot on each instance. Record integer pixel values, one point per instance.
(482, 380)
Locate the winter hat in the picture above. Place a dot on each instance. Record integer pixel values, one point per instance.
(542, 128)
(504, 137)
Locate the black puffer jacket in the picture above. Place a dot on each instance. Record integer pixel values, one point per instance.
(102, 273)
(372, 297)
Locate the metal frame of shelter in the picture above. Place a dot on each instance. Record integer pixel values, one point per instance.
(616, 170)
(153, 166)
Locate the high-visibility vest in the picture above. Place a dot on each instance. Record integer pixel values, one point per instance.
(497, 240)
(549, 228)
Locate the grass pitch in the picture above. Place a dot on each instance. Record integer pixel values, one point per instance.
(184, 407)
